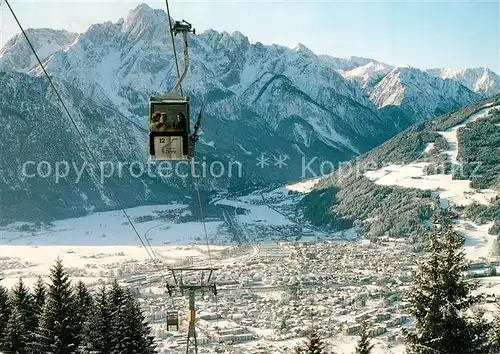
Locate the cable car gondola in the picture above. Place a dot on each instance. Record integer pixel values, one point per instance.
(172, 321)
(169, 125)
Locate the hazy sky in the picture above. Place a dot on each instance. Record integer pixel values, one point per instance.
(423, 34)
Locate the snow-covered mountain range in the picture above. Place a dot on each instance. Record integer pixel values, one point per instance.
(259, 99)
(481, 80)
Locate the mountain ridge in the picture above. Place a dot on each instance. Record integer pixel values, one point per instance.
(480, 80)
(259, 99)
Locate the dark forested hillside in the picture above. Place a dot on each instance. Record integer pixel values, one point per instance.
(480, 151)
(348, 198)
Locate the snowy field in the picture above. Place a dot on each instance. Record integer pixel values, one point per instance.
(112, 228)
(457, 192)
(451, 134)
(479, 244)
(258, 213)
(262, 212)
(91, 263)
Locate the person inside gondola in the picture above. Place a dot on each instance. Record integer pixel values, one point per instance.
(155, 118)
(181, 122)
(162, 124)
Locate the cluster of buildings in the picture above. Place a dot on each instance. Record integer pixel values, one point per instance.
(279, 292)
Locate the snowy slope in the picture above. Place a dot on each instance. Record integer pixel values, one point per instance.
(303, 186)
(451, 191)
(345, 64)
(480, 80)
(392, 189)
(451, 134)
(420, 94)
(17, 55)
(368, 75)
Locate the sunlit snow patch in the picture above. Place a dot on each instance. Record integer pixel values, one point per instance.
(412, 176)
(304, 186)
(429, 147)
(260, 214)
(479, 243)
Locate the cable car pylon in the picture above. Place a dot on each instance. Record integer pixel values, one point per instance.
(192, 288)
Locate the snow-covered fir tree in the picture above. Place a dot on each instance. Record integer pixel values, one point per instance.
(130, 332)
(440, 296)
(83, 309)
(117, 303)
(298, 350)
(58, 332)
(138, 327)
(495, 333)
(71, 320)
(98, 334)
(363, 345)
(16, 334)
(313, 345)
(39, 293)
(24, 301)
(22, 323)
(4, 314)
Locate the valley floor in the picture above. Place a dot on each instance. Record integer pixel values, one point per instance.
(267, 215)
(271, 291)
(259, 301)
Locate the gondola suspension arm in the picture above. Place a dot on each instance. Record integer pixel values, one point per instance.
(183, 27)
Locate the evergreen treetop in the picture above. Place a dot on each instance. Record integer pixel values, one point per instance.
(363, 345)
(313, 344)
(440, 296)
(71, 320)
(58, 332)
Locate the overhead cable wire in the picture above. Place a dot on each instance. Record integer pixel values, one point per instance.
(195, 181)
(173, 44)
(91, 154)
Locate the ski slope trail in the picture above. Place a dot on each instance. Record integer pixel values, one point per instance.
(450, 191)
(479, 244)
(451, 135)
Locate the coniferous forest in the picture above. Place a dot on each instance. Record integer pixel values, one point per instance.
(59, 317)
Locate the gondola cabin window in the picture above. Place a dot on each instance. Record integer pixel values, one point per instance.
(168, 128)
